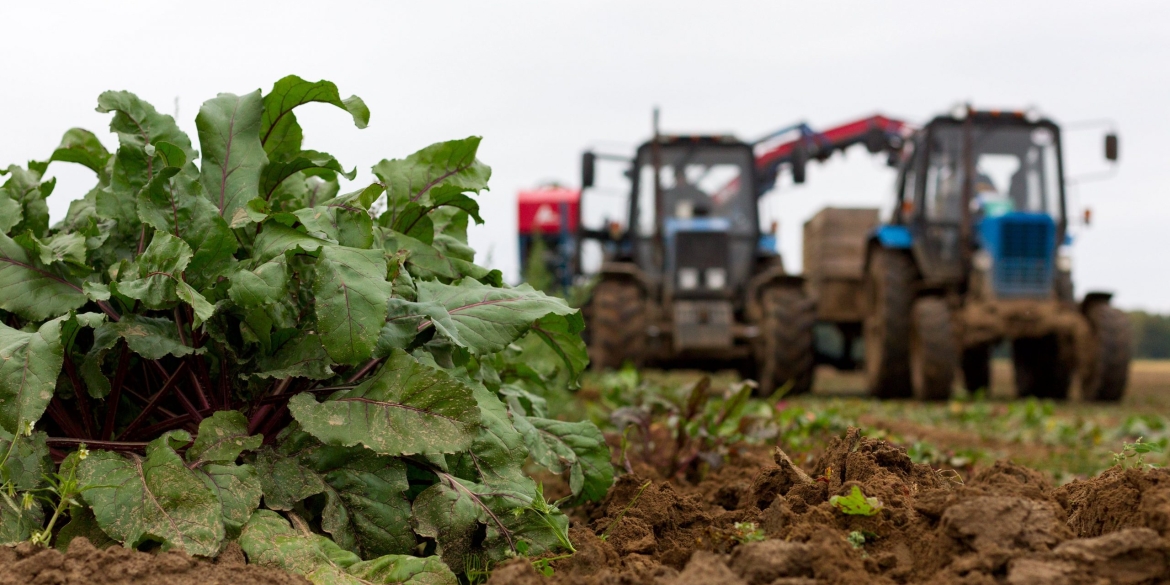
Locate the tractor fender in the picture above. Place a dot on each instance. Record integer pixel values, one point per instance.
(626, 271)
(774, 275)
(897, 237)
(1094, 297)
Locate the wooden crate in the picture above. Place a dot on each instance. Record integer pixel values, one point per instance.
(834, 260)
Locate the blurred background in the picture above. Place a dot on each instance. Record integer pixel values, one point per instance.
(541, 81)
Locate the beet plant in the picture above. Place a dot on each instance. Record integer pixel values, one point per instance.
(247, 354)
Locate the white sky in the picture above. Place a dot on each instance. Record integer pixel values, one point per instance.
(541, 80)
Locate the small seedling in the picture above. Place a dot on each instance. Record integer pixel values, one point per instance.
(856, 504)
(1132, 455)
(748, 532)
(856, 538)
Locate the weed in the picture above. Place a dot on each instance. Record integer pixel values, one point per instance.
(856, 504)
(1132, 455)
(748, 532)
(856, 538)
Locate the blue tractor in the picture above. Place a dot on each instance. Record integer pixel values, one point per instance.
(976, 254)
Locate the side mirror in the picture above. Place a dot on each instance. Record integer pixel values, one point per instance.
(1111, 147)
(588, 161)
(799, 161)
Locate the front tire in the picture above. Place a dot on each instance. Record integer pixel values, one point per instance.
(977, 368)
(1112, 338)
(785, 350)
(617, 329)
(932, 350)
(888, 293)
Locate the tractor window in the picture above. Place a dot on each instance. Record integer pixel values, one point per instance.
(1016, 169)
(698, 182)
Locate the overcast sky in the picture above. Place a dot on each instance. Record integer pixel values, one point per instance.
(542, 80)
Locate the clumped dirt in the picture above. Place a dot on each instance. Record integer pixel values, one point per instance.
(1005, 525)
(84, 564)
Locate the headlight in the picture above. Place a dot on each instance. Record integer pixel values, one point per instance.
(716, 278)
(982, 261)
(688, 278)
(1064, 260)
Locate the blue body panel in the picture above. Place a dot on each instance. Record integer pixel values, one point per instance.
(894, 236)
(1022, 247)
(767, 244)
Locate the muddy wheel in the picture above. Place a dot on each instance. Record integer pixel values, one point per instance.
(784, 349)
(1043, 367)
(1111, 335)
(617, 328)
(932, 350)
(977, 368)
(889, 293)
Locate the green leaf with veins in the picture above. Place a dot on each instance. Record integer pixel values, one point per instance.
(17, 523)
(306, 160)
(445, 165)
(61, 248)
(222, 438)
(300, 357)
(28, 463)
(276, 239)
(365, 507)
(270, 541)
(279, 131)
(423, 260)
(498, 452)
(486, 319)
(233, 157)
(404, 321)
(174, 203)
(138, 126)
(405, 408)
(157, 497)
(560, 334)
(576, 447)
(82, 523)
(25, 189)
(263, 285)
(30, 362)
(159, 269)
(350, 293)
(81, 146)
(149, 337)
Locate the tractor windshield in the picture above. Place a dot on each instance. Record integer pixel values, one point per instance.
(1016, 169)
(697, 181)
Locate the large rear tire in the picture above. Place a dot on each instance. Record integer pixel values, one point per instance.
(933, 359)
(1043, 367)
(1112, 338)
(617, 328)
(785, 352)
(889, 294)
(977, 368)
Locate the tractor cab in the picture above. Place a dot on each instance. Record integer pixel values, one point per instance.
(984, 192)
(694, 227)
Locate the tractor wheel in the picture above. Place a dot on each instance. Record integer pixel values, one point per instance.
(932, 350)
(1111, 334)
(784, 349)
(1043, 367)
(617, 329)
(889, 293)
(977, 368)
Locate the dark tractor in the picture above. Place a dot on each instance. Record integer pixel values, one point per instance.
(977, 254)
(691, 279)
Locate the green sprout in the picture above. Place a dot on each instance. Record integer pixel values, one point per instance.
(1132, 455)
(856, 504)
(856, 538)
(748, 532)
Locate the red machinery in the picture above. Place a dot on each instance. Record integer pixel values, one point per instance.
(551, 215)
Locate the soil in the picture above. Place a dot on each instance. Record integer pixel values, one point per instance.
(1006, 524)
(84, 564)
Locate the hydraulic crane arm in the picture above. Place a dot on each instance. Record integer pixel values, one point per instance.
(877, 132)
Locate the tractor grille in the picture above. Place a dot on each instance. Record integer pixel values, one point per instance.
(700, 251)
(1025, 263)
